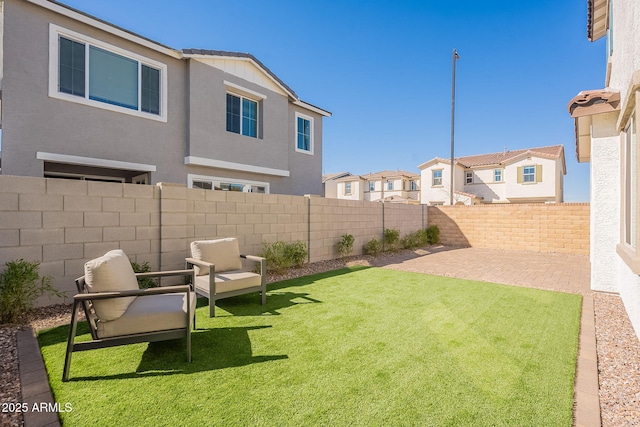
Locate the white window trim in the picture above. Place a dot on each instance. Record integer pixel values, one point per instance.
(295, 135)
(250, 98)
(93, 161)
(501, 174)
(221, 164)
(350, 186)
(525, 174)
(212, 179)
(467, 175)
(238, 90)
(56, 31)
(433, 177)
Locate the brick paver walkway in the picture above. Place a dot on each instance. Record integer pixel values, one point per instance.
(558, 272)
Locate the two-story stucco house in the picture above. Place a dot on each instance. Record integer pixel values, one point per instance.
(606, 125)
(388, 186)
(85, 99)
(533, 175)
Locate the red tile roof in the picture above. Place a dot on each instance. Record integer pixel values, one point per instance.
(553, 151)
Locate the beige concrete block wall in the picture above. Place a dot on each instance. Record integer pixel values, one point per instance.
(64, 223)
(561, 228)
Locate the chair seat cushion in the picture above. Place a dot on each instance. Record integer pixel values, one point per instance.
(110, 272)
(223, 253)
(149, 314)
(229, 281)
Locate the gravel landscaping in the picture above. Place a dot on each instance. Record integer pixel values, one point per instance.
(618, 350)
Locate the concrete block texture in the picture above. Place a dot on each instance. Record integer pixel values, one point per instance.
(559, 228)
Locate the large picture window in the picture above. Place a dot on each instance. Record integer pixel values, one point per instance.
(88, 71)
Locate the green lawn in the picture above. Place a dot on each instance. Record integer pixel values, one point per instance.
(367, 346)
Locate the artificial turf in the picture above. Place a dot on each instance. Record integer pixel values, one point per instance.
(367, 347)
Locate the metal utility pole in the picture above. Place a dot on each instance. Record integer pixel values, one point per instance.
(454, 58)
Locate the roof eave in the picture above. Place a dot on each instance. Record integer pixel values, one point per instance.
(108, 27)
(598, 19)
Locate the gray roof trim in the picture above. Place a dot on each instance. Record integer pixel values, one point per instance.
(240, 55)
(94, 21)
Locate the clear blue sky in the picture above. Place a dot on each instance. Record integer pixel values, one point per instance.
(383, 68)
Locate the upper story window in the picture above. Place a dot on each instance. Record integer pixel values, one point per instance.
(436, 177)
(389, 184)
(529, 174)
(87, 71)
(347, 188)
(468, 177)
(304, 134)
(414, 185)
(497, 175)
(372, 186)
(242, 115)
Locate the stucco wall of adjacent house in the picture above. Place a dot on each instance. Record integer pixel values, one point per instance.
(208, 135)
(484, 186)
(543, 190)
(306, 169)
(357, 190)
(32, 121)
(440, 194)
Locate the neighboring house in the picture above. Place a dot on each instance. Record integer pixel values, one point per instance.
(85, 99)
(330, 184)
(533, 175)
(390, 186)
(606, 126)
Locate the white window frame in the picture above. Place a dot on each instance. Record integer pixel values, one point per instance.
(389, 185)
(372, 186)
(413, 185)
(311, 136)
(525, 174)
(347, 188)
(216, 179)
(248, 98)
(55, 32)
(468, 177)
(433, 178)
(501, 173)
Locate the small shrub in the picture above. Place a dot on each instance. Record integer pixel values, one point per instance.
(391, 239)
(296, 253)
(20, 285)
(345, 245)
(433, 235)
(372, 247)
(409, 241)
(422, 238)
(281, 256)
(144, 282)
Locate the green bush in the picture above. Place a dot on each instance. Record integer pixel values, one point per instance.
(20, 285)
(345, 245)
(391, 239)
(281, 255)
(433, 235)
(415, 240)
(372, 247)
(144, 282)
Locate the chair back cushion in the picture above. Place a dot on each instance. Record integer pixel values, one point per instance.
(110, 272)
(223, 253)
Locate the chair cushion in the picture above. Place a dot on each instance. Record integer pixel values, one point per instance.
(150, 313)
(229, 281)
(223, 253)
(110, 272)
